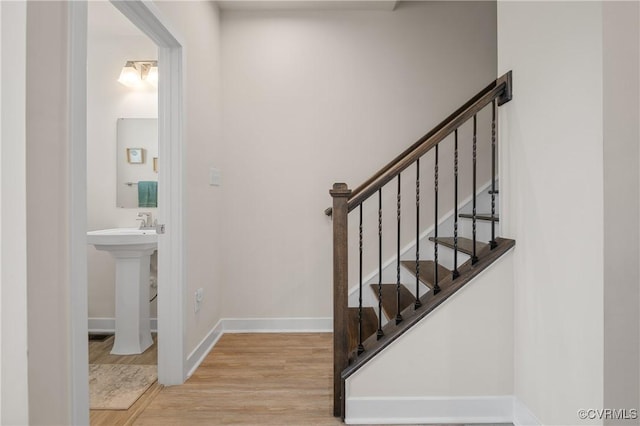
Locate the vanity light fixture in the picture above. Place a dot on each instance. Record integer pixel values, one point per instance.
(139, 74)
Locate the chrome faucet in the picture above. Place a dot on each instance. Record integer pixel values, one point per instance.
(145, 220)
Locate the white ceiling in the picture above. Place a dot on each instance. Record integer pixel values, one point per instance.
(307, 4)
(104, 20)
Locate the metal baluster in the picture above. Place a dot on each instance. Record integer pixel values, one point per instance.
(398, 316)
(360, 346)
(493, 244)
(474, 258)
(418, 303)
(455, 274)
(436, 286)
(379, 333)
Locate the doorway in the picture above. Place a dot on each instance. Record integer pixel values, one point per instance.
(122, 150)
(171, 275)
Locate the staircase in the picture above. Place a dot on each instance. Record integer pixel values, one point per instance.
(361, 332)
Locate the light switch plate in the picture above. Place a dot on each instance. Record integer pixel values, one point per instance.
(215, 177)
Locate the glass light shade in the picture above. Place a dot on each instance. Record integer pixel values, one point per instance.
(130, 76)
(152, 76)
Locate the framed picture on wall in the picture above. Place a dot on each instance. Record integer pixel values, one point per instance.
(135, 155)
(155, 164)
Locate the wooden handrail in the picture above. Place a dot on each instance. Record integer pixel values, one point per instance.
(499, 89)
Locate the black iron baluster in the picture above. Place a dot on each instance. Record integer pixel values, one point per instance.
(474, 258)
(418, 303)
(455, 274)
(493, 244)
(436, 286)
(398, 316)
(360, 346)
(379, 333)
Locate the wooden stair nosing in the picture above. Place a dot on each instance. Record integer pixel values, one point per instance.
(427, 271)
(390, 299)
(482, 216)
(369, 325)
(465, 245)
(411, 316)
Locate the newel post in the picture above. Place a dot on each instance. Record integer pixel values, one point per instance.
(340, 194)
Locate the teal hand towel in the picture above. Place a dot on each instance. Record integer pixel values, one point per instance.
(147, 194)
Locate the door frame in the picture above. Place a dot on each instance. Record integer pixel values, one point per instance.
(171, 207)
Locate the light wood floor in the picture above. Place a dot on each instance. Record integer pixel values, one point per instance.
(99, 354)
(253, 379)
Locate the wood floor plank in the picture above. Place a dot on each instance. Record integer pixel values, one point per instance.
(265, 378)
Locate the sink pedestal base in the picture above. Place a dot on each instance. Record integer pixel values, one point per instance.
(133, 325)
(132, 249)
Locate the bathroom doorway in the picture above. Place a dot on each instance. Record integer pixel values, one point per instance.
(122, 194)
(170, 244)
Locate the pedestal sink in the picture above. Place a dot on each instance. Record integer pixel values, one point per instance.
(132, 249)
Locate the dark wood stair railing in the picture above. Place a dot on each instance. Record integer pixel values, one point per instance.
(350, 325)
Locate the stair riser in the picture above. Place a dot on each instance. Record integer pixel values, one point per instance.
(483, 202)
(483, 229)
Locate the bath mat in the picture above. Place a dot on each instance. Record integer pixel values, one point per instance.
(118, 386)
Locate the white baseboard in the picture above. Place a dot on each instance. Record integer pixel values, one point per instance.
(201, 351)
(277, 325)
(420, 410)
(108, 325)
(254, 325)
(440, 410)
(522, 416)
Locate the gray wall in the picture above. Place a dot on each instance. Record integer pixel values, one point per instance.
(316, 97)
(48, 214)
(621, 111)
(552, 195)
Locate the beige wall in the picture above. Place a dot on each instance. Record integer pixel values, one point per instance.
(48, 214)
(14, 397)
(552, 190)
(621, 48)
(198, 23)
(316, 97)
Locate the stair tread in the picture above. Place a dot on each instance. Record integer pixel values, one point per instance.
(480, 216)
(369, 325)
(427, 271)
(390, 298)
(465, 245)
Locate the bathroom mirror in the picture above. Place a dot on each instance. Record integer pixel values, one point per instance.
(137, 159)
